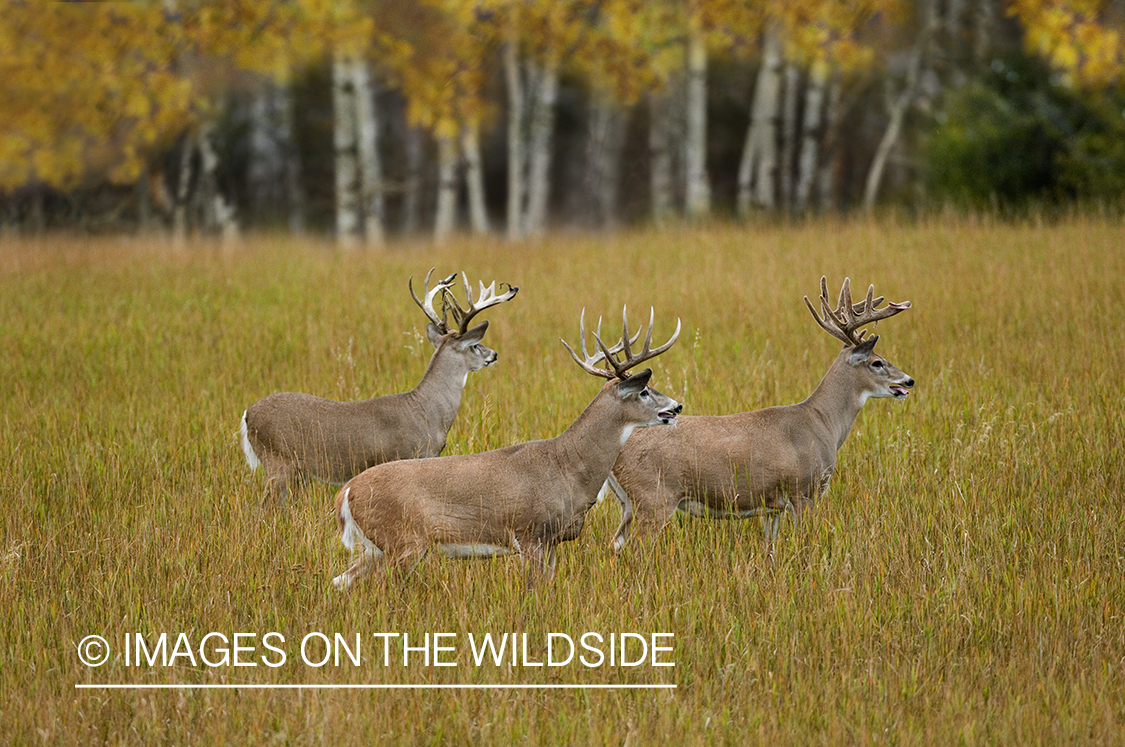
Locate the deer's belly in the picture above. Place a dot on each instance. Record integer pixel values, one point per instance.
(464, 551)
(705, 511)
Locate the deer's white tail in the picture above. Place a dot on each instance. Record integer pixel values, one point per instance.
(247, 449)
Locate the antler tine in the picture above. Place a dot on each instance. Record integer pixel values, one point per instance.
(487, 297)
(626, 343)
(631, 360)
(587, 361)
(598, 338)
(849, 317)
(613, 367)
(611, 362)
(469, 288)
(671, 340)
(834, 328)
(582, 334)
(427, 306)
(871, 303)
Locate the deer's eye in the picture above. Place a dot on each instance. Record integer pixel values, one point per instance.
(644, 393)
(877, 364)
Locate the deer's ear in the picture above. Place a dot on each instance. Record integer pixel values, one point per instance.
(863, 351)
(635, 383)
(474, 335)
(433, 334)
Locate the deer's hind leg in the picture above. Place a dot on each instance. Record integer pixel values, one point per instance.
(280, 474)
(647, 503)
(369, 559)
(654, 510)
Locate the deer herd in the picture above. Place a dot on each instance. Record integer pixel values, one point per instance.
(400, 499)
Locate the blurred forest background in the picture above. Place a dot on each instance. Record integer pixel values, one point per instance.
(373, 120)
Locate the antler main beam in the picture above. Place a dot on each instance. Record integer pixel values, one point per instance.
(427, 306)
(846, 321)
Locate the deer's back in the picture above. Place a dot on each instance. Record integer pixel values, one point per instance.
(751, 458)
(336, 440)
(518, 491)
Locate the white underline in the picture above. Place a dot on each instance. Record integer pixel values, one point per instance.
(226, 686)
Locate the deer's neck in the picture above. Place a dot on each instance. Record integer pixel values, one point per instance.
(837, 399)
(438, 394)
(590, 446)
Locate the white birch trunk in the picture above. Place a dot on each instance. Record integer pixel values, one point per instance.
(983, 22)
(766, 173)
(516, 144)
(758, 168)
(811, 133)
(474, 178)
(954, 15)
(286, 133)
(789, 126)
(183, 191)
(660, 158)
(446, 213)
(542, 142)
(897, 108)
(827, 197)
(372, 200)
(697, 196)
(603, 158)
(415, 158)
(219, 209)
(344, 146)
(146, 219)
(265, 167)
(274, 171)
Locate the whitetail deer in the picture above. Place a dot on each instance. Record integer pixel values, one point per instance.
(523, 499)
(766, 462)
(294, 435)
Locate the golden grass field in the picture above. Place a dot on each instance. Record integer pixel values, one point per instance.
(962, 582)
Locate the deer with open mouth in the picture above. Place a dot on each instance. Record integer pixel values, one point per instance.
(766, 462)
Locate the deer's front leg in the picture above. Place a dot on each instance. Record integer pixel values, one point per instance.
(627, 513)
(539, 561)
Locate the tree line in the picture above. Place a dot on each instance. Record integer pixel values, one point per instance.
(372, 119)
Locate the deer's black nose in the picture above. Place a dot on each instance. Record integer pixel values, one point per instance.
(909, 383)
(678, 409)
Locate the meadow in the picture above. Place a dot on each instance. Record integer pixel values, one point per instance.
(963, 581)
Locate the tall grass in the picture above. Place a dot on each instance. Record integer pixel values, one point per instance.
(962, 581)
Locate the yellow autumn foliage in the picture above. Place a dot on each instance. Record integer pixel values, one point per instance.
(1078, 38)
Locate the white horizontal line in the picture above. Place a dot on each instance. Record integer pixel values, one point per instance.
(227, 686)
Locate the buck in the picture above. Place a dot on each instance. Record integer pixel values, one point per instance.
(295, 436)
(766, 462)
(524, 499)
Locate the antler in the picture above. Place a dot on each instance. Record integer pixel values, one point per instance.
(844, 323)
(487, 297)
(588, 362)
(613, 367)
(427, 306)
